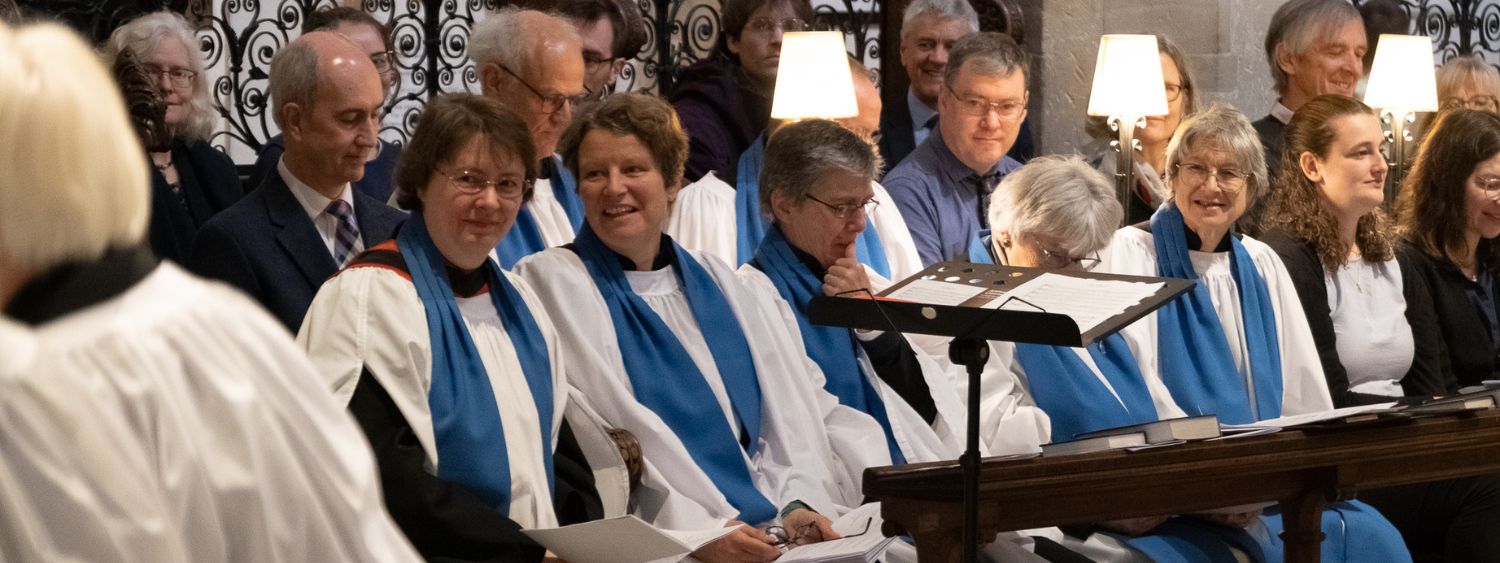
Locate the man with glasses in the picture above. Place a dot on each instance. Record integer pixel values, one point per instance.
(612, 32)
(281, 242)
(943, 187)
(373, 38)
(532, 62)
(724, 101)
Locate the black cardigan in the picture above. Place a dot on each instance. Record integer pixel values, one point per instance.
(1427, 376)
(1468, 352)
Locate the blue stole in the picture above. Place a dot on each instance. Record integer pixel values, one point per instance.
(465, 419)
(666, 380)
(833, 348)
(525, 238)
(750, 227)
(1196, 364)
(1067, 390)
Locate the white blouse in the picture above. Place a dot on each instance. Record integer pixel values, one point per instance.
(1304, 389)
(1369, 322)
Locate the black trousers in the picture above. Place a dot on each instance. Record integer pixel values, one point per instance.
(1457, 520)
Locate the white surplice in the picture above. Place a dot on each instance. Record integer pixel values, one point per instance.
(811, 448)
(255, 458)
(372, 318)
(703, 219)
(75, 485)
(551, 220)
(1304, 390)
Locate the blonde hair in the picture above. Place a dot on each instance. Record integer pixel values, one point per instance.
(1467, 69)
(144, 34)
(75, 180)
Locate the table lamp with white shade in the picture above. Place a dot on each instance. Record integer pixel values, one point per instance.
(812, 79)
(1127, 87)
(1402, 82)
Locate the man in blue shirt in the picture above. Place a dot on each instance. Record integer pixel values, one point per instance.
(943, 187)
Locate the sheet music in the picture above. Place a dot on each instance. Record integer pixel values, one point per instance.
(1087, 301)
(936, 292)
(1309, 418)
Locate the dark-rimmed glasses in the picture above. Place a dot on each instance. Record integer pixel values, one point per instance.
(847, 210)
(178, 76)
(1192, 174)
(1174, 91)
(978, 106)
(469, 182)
(554, 102)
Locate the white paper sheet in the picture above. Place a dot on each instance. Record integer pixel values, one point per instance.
(625, 539)
(1087, 301)
(936, 292)
(1289, 421)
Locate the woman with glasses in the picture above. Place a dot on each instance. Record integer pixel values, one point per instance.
(1182, 101)
(705, 370)
(1449, 215)
(374, 38)
(191, 181)
(1238, 345)
(1468, 82)
(448, 362)
(725, 100)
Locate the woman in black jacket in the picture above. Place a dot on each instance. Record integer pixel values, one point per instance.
(1371, 311)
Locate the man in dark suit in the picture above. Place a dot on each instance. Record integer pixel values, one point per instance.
(1314, 47)
(299, 227)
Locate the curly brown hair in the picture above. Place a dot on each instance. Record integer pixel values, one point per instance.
(650, 119)
(1432, 205)
(1299, 206)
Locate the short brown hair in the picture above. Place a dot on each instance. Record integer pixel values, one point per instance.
(1432, 205)
(447, 124)
(649, 118)
(329, 20)
(737, 14)
(1298, 206)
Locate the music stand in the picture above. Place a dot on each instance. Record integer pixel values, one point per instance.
(971, 324)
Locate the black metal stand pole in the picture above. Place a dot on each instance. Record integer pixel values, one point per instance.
(972, 353)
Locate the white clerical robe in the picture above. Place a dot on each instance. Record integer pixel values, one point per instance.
(75, 485)
(811, 448)
(1304, 390)
(703, 219)
(256, 459)
(919, 441)
(371, 318)
(551, 220)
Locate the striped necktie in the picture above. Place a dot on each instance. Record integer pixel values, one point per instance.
(344, 235)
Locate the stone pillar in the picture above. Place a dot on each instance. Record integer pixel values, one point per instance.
(1223, 40)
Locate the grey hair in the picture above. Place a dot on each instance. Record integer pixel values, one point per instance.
(993, 54)
(1457, 70)
(1061, 197)
(1223, 128)
(1296, 26)
(505, 37)
(945, 9)
(798, 155)
(294, 78)
(142, 35)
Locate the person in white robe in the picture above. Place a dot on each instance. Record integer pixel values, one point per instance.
(75, 485)
(725, 220)
(532, 62)
(252, 458)
(449, 363)
(1238, 345)
(656, 336)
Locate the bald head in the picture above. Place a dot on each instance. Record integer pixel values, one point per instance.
(532, 62)
(868, 99)
(328, 100)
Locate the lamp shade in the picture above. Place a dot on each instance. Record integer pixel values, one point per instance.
(1403, 76)
(1127, 78)
(812, 79)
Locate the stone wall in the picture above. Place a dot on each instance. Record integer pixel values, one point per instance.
(1222, 38)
